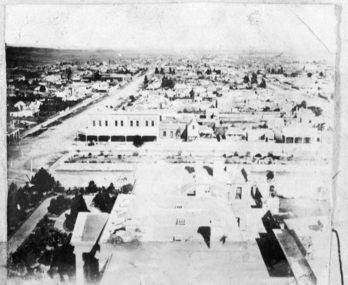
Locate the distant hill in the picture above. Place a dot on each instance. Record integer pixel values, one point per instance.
(37, 56)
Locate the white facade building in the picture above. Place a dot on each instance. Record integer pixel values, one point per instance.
(116, 126)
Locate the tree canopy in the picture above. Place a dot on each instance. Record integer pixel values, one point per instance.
(78, 204)
(137, 142)
(97, 76)
(104, 201)
(43, 181)
(146, 81)
(167, 82)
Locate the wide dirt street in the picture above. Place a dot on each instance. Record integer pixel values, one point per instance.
(46, 148)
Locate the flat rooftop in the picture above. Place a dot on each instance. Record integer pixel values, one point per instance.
(88, 227)
(155, 218)
(188, 263)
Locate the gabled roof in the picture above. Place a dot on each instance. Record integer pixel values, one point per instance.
(192, 121)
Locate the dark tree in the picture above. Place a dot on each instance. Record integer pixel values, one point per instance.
(146, 81)
(304, 104)
(64, 259)
(104, 201)
(270, 175)
(78, 205)
(111, 189)
(92, 187)
(253, 78)
(43, 181)
(125, 189)
(58, 188)
(137, 142)
(246, 79)
(316, 110)
(156, 71)
(170, 83)
(59, 205)
(192, 94)
(164, 82)
(68, 73)
(97, 76)
(263, 83)
(13, 188)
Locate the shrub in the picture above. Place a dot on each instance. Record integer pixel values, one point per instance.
(189, 169)
(270, 175)
(125, 189)
(135, 154)
(137, 142)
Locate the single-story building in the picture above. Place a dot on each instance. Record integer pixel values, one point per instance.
(301, 135)
(171, 130)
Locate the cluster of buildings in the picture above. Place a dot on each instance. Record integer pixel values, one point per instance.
(216, 223)
(153, 116)
(212, 99)
(198, 223)
(35, 93)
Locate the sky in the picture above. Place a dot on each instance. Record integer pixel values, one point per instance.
(297, 29)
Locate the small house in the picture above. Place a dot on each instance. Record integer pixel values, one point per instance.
(192, 130)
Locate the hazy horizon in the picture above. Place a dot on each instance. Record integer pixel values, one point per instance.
(175, 28)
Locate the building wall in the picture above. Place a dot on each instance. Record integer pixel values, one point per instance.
(192, 130)
(167, 134)
(124, 124)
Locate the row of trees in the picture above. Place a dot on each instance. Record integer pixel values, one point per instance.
(209, 71)
(157, 71)
(275, 71)
(167, 82)
(161, 71)
(254, 80)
